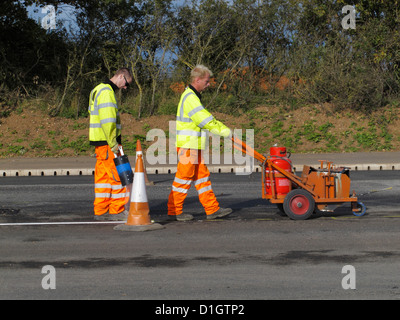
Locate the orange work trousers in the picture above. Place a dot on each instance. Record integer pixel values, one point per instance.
(110, 195)
(191, 169)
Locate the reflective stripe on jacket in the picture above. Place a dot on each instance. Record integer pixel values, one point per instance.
(105, 123)
(191, 118)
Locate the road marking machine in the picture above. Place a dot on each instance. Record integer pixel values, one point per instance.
(299, 196)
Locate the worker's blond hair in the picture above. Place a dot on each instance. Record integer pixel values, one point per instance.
(199, 71)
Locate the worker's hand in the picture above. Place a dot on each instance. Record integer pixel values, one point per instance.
(226, 132)
(115, 149)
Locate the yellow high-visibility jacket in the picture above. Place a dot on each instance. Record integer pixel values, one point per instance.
(191, 117)
(105, 122)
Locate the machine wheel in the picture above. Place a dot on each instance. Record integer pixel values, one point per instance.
(299, 204)
(363, 209)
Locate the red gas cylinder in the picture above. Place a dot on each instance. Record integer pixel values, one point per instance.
(282, 184)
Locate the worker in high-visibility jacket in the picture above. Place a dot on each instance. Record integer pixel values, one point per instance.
(191, 118)
(105, 135)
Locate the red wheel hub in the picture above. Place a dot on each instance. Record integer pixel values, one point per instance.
(299, 204)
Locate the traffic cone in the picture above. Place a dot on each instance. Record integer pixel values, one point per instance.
(138, 152)
(139, 218)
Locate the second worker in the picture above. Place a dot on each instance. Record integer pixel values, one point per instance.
(191, 118)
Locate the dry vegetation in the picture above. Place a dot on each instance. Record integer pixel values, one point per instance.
(31, 132)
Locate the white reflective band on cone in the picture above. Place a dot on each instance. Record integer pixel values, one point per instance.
(139, 194)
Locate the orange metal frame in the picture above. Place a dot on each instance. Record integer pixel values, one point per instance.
(326, 185)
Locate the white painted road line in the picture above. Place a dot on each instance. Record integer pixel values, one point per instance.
(58, 223)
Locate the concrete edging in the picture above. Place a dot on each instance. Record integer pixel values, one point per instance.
(172, 170)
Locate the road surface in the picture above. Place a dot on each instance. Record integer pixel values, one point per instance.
(254, 254)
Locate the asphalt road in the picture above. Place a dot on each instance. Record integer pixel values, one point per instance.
(254, 254)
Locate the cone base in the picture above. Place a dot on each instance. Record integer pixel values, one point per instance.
(147, 227)
(138, 220)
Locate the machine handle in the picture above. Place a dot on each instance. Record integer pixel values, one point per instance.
(243, 147)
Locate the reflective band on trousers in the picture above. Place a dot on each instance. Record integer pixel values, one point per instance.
(201, 180)
(189, 182)
(108, 185)
(181, 181)
(180, 190)
(110, 195)
(207, 188)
